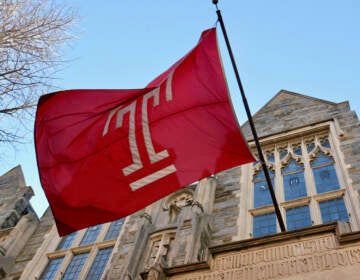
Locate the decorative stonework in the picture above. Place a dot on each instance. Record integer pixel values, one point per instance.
(274, 262)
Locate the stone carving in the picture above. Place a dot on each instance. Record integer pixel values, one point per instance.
(312, 255)
(176, 202)
(159, 250)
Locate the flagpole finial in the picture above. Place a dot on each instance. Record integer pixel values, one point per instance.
(215, 2)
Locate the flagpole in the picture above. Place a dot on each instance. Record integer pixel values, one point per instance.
(251, 122)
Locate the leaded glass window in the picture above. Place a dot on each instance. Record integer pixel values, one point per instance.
(298, 217)
(99, 264)
(51, 269)
(324, 173)
(90, 235)
(333, 210)
(66, 241)
(262, 195)
(264, 224)
(114, 229)
(74, 268)
(294, 181)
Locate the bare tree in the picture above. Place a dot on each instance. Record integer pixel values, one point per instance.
(32, 35)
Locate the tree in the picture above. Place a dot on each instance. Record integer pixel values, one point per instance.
(32, 35)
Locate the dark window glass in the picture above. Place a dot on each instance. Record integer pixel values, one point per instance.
(114, 229)
(51, 269)
(99, 264)
(262, 195)
(66, 241)
(90, 235)
(298, 217)
(74, 268)
(264, 225)
(333, 210)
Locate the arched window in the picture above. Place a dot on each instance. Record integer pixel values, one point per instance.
(324, 173)
(294, 180)
(262, 195)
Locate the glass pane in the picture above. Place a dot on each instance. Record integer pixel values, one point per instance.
(114, 229)
(326, 179)
(270, 157)
(74, 268)
(261, 175)
(310, 147)
(66, 241)
(334, 210)
(264, 225)
(297, 149)
(51, 269)
(294, 186)
(325, 143)
(262, 195)
(99, 264)
(283, 153)
(292, 166)
(298, 217)
(321, 159)
(90, 235)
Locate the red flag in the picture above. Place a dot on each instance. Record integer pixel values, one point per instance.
(104, 154)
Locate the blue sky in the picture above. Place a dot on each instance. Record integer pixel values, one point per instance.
(309, 47)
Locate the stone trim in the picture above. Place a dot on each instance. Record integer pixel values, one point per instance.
(329, 195)
(296, 202)
(272, 239)
(323, 126)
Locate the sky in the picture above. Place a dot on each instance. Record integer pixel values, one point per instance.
(308, 47)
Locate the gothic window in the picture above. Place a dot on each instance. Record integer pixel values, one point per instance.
(51, 269)
(294, 181)
(262, 195)
(99, 264)
(306, 176)
(264, 224)
(324, 173)
(74, 268)
(90, 235)
(298, 217)
(333, 210)
(114, 229)
(66, 241)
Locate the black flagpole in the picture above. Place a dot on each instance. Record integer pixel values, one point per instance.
(251, 122)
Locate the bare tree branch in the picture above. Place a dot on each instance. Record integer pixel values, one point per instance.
(32, 36)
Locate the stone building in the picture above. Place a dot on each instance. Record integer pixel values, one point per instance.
(224, 226)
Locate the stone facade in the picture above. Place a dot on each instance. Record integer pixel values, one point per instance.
(18, 220)
(206, 231)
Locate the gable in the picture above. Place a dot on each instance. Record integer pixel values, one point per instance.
(288, 110)
(13, 178)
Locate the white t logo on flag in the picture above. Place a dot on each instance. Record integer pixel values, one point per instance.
(135, 155)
